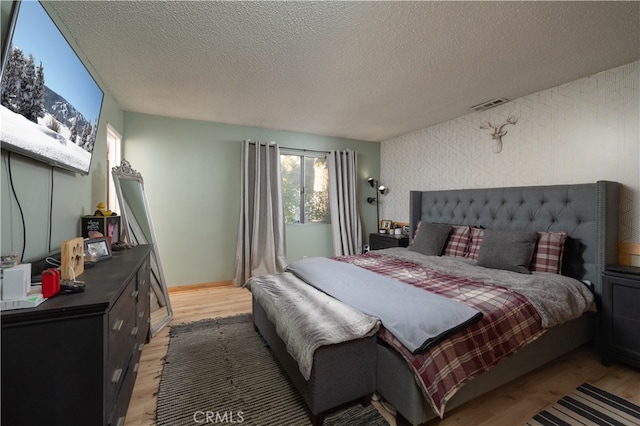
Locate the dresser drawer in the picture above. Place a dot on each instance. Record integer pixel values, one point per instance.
(122, 309)
(120, 355)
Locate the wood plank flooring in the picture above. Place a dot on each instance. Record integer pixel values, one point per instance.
(511, 404)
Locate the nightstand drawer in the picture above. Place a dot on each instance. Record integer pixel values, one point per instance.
(620, 315)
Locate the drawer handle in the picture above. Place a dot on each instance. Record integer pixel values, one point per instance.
(135, 367)
(121, 421)
(134, 331)
(134, 294)
(141, 315)
(140, 347)
(118, 325)
(116, 375)
(148, 320)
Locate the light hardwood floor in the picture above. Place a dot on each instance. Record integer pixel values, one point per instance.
(511, 404)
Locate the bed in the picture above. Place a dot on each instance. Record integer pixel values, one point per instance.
(587, 216)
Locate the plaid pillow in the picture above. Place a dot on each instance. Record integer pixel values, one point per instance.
(547, 255)
(475, 240)
(458, 241)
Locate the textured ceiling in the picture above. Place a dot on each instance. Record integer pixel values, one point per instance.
(362, 70)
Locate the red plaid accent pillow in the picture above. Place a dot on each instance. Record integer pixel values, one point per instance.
(475, 240)
(458, 241)
(547, 255)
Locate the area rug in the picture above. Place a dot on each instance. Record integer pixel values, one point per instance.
(589, 405)
(219, 371)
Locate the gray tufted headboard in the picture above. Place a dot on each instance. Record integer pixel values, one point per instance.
(588, 212)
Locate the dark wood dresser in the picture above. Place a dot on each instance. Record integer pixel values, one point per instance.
(73, 359)
(620, 315)
(383, 241)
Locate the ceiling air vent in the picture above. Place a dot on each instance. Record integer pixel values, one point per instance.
(489, 104)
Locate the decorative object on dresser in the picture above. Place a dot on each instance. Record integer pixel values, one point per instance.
(105, 226)
(382, 241)
(137, 228)
(620, 315)
(73, 360)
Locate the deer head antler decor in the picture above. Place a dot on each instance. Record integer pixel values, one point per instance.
(498, 133)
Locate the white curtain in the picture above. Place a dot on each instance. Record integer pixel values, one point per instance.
(345, 217)
(261, 240)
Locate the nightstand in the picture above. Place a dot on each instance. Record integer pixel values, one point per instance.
(620, 315)
(383, 241)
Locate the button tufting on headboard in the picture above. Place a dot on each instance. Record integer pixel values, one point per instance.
(588, 212)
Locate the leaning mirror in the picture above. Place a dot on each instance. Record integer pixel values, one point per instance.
(137, 228)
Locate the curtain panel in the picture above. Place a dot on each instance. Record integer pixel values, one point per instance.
(261, 231)
(346, 227)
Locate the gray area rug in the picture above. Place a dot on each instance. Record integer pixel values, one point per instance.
(218, 371)
(589, 405)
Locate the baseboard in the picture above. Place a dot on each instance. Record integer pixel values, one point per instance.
(187, 287)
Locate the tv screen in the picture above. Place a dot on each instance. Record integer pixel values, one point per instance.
(49, 103)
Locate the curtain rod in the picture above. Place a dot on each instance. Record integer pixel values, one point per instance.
(305, 150)
(286, 147)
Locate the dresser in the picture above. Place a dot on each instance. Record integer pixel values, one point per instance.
(620, 315)
(382, 241)
(73, 360)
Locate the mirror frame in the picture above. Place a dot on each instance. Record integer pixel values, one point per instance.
(131, 233)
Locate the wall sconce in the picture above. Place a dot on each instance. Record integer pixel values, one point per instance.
(498, 133)
(382, 190)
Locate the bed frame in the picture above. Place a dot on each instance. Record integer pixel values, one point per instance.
(588, 212)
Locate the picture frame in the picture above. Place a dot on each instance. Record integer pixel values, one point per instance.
(98, 246)
(385, 224)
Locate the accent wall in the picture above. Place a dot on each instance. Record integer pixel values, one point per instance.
(582, 131)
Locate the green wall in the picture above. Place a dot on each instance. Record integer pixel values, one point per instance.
(191, 172)
(73, 195)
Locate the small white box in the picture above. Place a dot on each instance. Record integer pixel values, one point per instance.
(16, 282)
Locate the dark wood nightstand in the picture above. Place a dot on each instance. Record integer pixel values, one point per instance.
(620, 315)
(383, 241)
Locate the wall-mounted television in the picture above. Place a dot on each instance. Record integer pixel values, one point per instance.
(49, 102)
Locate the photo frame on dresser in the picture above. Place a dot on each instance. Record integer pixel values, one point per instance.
(137, 228)
(98, 247)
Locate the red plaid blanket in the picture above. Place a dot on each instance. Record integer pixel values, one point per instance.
(509, 322)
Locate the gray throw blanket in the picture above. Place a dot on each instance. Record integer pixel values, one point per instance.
(418, 318)
(306, 319)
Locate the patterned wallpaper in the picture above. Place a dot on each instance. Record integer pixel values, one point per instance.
(582, 131)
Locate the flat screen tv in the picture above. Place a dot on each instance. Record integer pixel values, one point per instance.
(49, 102)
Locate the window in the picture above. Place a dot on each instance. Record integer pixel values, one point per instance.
(114, 156)
(305, 187)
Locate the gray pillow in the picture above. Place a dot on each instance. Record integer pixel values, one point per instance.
(509, 250)
(430, 238)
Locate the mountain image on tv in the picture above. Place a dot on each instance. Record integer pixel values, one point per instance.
(49, 102)
(39, 119)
